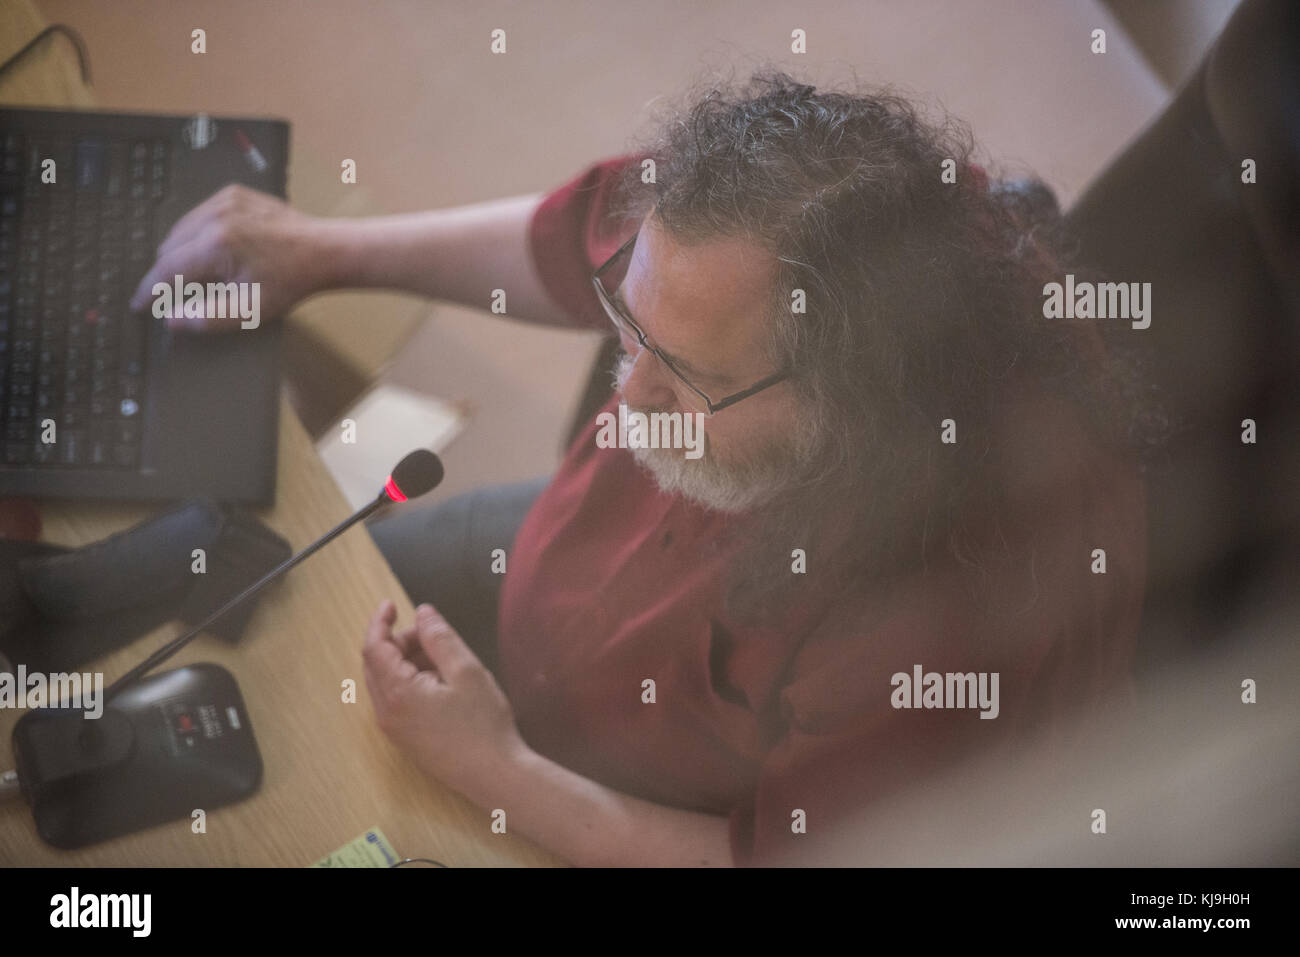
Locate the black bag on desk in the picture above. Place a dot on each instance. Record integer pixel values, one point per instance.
(61, 607)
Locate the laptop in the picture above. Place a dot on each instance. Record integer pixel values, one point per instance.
(97, 401)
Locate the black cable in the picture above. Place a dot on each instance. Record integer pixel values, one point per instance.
(83, 57)
(416, 860)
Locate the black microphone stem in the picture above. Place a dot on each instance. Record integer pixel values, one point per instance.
(175, 645)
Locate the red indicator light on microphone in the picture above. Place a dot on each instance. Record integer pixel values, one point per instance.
(392, 491)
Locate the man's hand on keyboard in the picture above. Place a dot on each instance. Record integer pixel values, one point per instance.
(244, 236)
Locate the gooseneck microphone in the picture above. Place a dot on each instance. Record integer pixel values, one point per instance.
(419, 472)
(163, 745)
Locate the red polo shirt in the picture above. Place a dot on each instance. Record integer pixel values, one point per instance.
(612, 583)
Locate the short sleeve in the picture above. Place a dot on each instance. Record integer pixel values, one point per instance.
(572, 232)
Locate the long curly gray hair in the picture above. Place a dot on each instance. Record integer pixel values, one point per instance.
(924, 297)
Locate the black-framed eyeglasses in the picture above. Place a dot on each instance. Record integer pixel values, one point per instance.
(696, 397)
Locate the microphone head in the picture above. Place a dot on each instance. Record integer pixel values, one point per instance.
(419, 472)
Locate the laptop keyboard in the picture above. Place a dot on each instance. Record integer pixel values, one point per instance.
(72, 357)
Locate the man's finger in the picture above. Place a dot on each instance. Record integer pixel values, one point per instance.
(386, 660)
(408, 640)
(191, 224)
(405, 640)
(444, 648)
(186, 228)
(377, 633)
(383, 654)
(382, 690)
(372, 683)
(381, 622)
(194, 260)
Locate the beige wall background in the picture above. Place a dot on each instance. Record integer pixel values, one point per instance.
(411, 91)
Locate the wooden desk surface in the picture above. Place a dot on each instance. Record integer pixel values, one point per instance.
(329, 774)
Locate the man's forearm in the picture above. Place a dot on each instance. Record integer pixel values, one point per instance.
(459, 254)
(591, 825)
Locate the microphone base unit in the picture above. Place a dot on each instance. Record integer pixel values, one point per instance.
(164, 747)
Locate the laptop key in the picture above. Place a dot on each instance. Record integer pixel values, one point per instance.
(45, 452)
(125, 456)
(132, 390)
(18, 443)
(90, 164)
(98, 451)
(73, 444)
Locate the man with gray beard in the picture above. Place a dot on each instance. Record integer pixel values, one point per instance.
(720, 484)
(689, 661)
